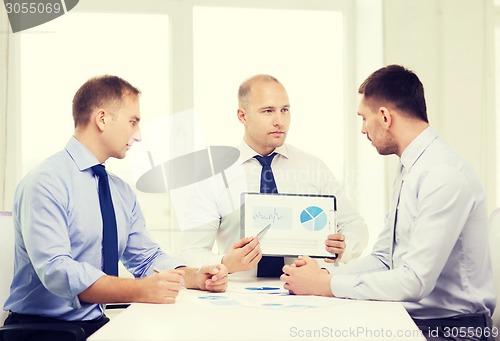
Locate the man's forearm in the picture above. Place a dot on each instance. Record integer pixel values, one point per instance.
(110, 289)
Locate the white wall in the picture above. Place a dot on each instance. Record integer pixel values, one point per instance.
(450, 45)
(365, 180)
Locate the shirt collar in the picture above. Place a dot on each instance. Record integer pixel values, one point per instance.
(247, 153)
(82, 157)
(417, 147)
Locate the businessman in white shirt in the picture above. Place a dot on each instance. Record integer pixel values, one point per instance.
(433, 252)
(214, 214)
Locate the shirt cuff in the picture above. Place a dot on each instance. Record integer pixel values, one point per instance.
(342, 286)
(166, 264)
(81, 281)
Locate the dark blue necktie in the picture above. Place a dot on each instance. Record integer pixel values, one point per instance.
(268, 266)
(267, 183)
(109, 234)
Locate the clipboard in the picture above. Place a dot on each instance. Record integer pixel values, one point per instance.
(299, 223)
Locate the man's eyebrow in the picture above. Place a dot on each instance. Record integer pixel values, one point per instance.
(268, 107)
(137, 118)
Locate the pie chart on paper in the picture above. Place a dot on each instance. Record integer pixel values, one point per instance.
(313, 218)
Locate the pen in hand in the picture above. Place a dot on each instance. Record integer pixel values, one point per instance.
(156, 270)
(263, 232)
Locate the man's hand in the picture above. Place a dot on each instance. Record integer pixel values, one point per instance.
(244, 255)
(161, 287)
(212, 278)
(305, 277)
(335, 244)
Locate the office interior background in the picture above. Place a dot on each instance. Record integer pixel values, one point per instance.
(189, 57)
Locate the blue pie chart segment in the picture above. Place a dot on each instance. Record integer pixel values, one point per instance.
(313, 218)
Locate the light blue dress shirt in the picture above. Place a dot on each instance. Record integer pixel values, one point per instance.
(58, 237)
(441, 260)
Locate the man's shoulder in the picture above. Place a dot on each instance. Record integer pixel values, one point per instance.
(53, 172)
(441, 154)
(57, 164)
(443, 161)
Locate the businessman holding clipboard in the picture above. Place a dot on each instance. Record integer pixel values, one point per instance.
(266, 165)
(296, 224)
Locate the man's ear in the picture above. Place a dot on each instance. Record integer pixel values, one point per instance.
(100, 119)
(386, 116)
(242, 115)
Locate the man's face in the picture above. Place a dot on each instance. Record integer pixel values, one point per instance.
(123, 127)
(266, 116)
(375, 129)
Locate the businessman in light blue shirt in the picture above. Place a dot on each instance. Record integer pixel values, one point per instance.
(58, 224)
(433, 252)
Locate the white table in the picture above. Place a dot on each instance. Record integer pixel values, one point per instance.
(243, 314)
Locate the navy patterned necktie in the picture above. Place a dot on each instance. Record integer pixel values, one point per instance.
(267, 182)
(109, 235)
(268, 266)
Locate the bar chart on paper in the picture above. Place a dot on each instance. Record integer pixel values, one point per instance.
(313, 218)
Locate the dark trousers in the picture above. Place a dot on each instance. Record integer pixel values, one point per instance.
(89, 327)
(462, 327)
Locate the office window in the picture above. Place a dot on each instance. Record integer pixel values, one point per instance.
(58, 57)
(304, 49)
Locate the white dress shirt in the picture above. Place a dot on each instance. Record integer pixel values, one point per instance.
(214, 208)
(441, 260)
